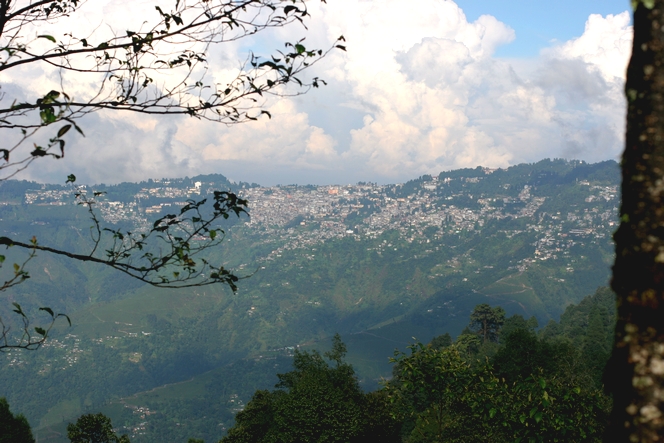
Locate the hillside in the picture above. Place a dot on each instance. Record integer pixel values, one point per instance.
(379, 264)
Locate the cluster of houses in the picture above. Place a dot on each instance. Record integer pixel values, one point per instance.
(299, 217)
(296, 217)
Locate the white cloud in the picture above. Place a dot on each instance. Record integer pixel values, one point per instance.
(586, 75)
(131, 148)
(287, 139)
(605, 45)
(418, 91)
(441, 101)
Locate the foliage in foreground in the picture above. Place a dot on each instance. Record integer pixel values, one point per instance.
(13, 428)
(316, 402)
(444, 398)
(525, 389)
(525, 386)
(93, 428)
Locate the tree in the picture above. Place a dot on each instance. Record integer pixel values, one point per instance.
(594, 348)
(520, 356)
(444, 398)
(487, 321)
(255, 421)
(157, 68)
(516, 323)
(323, 402)
(635, 374)
(13, 428)
(430, 384)
(316, 402)
(93, 428)
(542, 409)
(468, 343)
(441, 341)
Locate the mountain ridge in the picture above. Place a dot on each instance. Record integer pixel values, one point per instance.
(534, 238)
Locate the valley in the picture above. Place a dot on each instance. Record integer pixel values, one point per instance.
(380, 264)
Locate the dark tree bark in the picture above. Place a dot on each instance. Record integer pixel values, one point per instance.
(635, 374)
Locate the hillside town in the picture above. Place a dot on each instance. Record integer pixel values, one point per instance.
(302, 217)
(440, 225)
(296, 217)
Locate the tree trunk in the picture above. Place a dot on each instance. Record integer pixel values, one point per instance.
(635, 374)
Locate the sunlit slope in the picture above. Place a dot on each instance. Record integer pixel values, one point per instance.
(533, 239)
(378, 302)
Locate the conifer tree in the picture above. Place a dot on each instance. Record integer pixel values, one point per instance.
(487, 321)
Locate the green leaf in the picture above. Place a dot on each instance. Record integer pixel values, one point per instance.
(49, 310)
(71, 178)
(47, 37)
(18, 309)
(492, 412)
(64, 130)
(213, 234)
(78, 129)
(40, 331)
(51, 96)
(2, 258)
(538, 417)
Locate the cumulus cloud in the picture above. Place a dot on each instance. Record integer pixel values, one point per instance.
(605, 45)
(418, 91)
(450, 104)
(436, 62)
(130, 148)
(285, 140)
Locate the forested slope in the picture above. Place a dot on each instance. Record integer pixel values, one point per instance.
(379, 264)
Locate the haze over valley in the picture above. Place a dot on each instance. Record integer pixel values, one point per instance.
(379, 264)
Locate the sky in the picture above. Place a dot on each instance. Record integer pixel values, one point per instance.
(420, 90)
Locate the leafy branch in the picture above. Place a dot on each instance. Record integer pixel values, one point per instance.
(158, 69)
(169, 254)
(30, 338)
